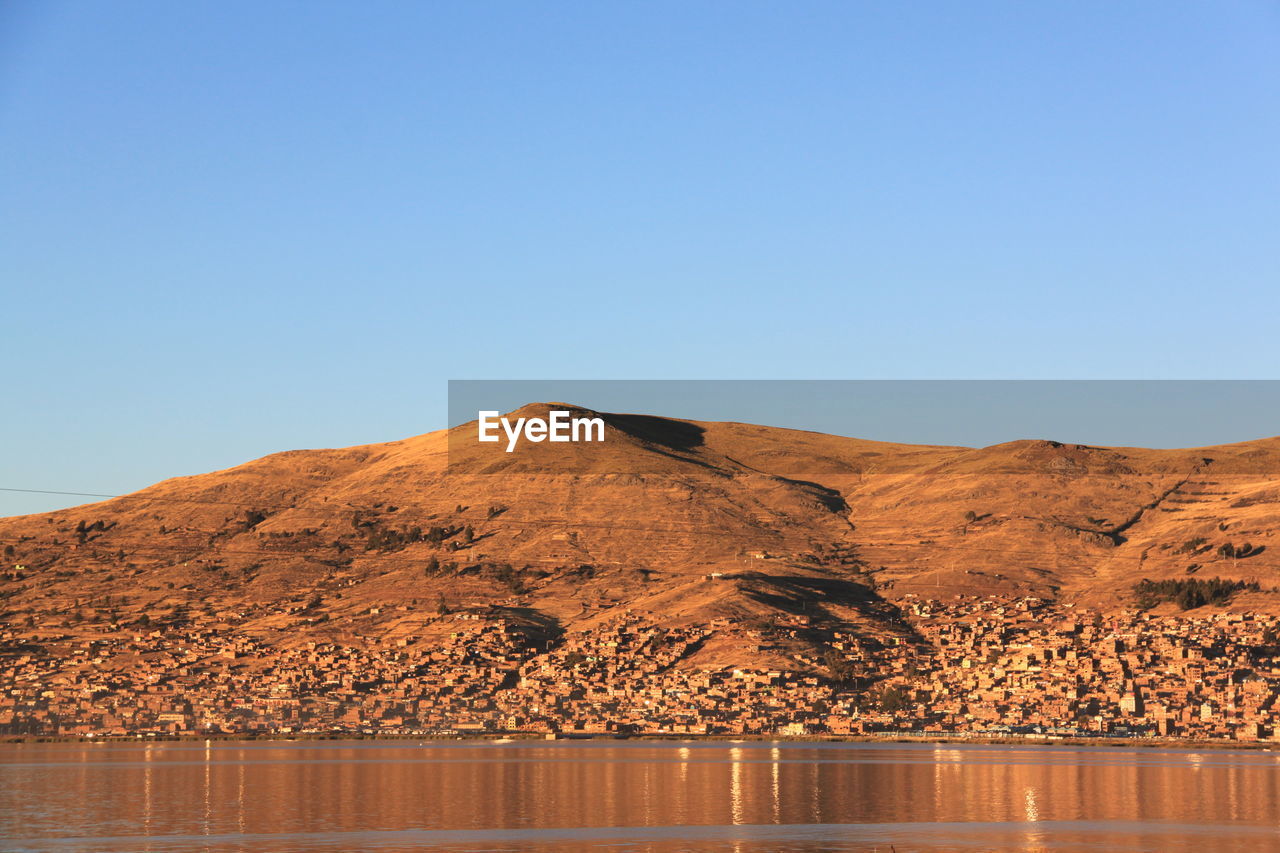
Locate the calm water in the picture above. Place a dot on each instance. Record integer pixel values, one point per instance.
(632, 796)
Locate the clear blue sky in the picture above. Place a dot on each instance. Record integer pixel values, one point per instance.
(229, 228)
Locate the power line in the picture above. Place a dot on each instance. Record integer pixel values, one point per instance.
(213, 549)
(319, 512)
(674, 527)
(141, 496)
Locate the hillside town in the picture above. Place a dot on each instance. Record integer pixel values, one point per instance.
(964, 666)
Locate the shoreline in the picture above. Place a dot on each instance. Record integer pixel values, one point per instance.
(561, 737)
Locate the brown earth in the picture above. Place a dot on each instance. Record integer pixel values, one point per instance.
(678, 521)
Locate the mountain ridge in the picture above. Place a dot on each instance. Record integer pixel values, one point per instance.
(682, 520)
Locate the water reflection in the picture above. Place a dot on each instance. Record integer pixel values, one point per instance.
(653, 796)
(735, 785)
(146, 808)
(775, 756)
(1034, 835)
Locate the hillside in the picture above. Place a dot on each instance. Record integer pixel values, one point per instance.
(678, 522)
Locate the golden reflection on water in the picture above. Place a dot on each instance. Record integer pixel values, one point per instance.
(216, 789)
(775, 757)
(240, 826)
(208, 769)
(1034, 836)
(735, 786)
(146, 809)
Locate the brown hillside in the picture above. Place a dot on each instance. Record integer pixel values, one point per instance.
(678, 520)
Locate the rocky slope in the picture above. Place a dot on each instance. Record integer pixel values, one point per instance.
(677, 521)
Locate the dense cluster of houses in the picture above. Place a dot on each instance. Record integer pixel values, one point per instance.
(1029, 666)
(966, 665)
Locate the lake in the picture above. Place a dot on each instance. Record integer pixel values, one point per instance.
(631, 796)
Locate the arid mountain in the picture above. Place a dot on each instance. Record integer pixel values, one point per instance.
(678, 521)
